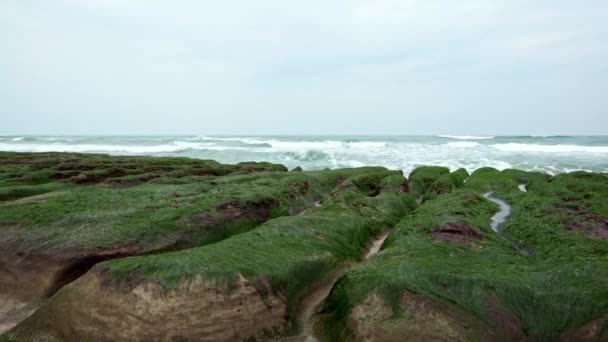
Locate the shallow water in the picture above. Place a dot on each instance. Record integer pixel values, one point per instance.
(503, 213)
(500, 217)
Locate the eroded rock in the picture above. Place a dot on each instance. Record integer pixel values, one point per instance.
(455, 231)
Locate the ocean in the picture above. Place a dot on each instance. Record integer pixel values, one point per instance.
(550, 154)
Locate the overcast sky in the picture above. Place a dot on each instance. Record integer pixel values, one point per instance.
(304, 67)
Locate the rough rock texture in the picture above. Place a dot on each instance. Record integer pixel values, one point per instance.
(64, 213)
(103, 248)
(195, 310)
(455, 231)
(472, 288)
(421, 320)
(247, 286)
(596, 330)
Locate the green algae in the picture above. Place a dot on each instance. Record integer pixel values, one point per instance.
(259, 221)
(423, 177)
(559, 288)
(446, 183)
(126, 210)
(282, 249)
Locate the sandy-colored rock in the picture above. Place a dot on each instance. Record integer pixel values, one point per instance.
(421, 320)
(596, 330)
(93, 309)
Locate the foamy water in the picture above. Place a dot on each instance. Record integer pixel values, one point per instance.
(549, 154)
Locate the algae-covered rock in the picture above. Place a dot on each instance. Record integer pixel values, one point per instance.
(446, 183)
(141, 248)
(244, 286)
(423, 177)
(443, 274)
(63, 213)
(489, 179)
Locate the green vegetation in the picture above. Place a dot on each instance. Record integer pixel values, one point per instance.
(292, 252)
(559, 288)
(187, 218)
(446, 183)
(423, 177)
(186, 201)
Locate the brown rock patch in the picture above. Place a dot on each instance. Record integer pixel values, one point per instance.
(404, 187)
(197, 310)
(596, 330)
(235, 209)
(503, 319)
(422, 320)
(455, 231)
(232, 210)
(594, 226)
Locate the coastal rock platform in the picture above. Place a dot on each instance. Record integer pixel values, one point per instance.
(122, 248)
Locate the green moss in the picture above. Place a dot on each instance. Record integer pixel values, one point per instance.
(292, 252)
(524, 177)
(446, 183)
(145, 203)
(559, 288)
(423, 177)
(16, 192)
(242, 219)
(488, 179)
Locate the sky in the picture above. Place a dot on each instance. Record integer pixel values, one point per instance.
(402, 67)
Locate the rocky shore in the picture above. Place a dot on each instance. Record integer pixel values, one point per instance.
(107, 248)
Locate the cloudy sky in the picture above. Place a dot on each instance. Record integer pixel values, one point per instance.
(303, 67)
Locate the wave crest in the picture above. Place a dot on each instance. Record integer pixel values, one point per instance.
(466, 137)
(515, 147)
(462, 144)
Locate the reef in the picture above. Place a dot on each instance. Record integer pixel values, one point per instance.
(121, 248)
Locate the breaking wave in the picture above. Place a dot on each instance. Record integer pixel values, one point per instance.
(515, 147)
(547, 154)
(466, 137)
(466, 144)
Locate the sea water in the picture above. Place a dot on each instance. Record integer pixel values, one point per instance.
(551, 154)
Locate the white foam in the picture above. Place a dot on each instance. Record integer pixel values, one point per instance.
(18, 139)
(69, 139)
(367, 144)
(250, 140)
(176, 146)
(466, 137)
(305, 145)
(463, 144)
(516, 147)
(311, 153)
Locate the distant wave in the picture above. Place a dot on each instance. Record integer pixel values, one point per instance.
(467, 144)
(293, 144)
(176, 146)
(548, 136)
(18, 139)
(325, 145)
(550, 155)
(250, 141)
(466, 137)
(68, 139)
(515, 147)
(309, 156)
